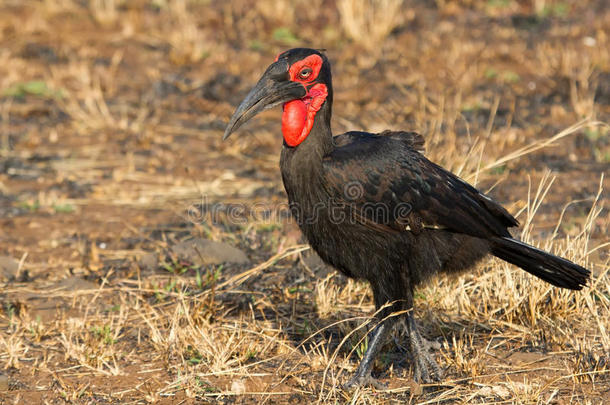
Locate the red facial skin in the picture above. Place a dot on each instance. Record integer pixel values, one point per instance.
(298, 116)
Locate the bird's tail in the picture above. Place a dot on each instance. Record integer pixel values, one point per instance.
(550, 268)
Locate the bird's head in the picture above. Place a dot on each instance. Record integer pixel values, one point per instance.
(299, 79)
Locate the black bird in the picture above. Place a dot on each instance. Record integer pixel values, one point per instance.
(375, 208)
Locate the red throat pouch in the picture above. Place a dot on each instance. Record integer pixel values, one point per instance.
(298, 115)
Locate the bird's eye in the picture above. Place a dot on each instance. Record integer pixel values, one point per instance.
(305, 73)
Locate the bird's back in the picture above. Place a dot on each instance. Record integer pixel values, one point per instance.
(390, 170)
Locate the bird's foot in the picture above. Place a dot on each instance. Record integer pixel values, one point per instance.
(364, 381)
(426, 370)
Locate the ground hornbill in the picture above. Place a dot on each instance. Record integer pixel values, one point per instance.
(374, 207)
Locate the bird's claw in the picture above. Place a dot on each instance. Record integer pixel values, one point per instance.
(426, 370)
(364, 381)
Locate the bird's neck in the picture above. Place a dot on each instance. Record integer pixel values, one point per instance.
(319, 141)
(301, 166)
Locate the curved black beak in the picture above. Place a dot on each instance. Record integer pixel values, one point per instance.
(272, 89)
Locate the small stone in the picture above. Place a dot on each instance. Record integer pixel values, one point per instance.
(203, 252)
(149, 261)
(46, 307)
(8, 268)
(238, 387)
(312, 260)
(3, 382)
(75, 283)
(589, 41)
(500, 391)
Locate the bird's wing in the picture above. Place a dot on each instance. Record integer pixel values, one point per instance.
(387, 184)
(411, 140)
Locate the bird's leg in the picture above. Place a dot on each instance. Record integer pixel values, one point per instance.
(424, 366)
(363, 373)
(425, 369)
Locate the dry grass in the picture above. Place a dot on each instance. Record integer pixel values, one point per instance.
(369, 22)
(111, 114)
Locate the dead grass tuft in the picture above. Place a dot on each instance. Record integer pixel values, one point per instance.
(369, 22)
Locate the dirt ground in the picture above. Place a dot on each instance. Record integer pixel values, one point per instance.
(112, 166)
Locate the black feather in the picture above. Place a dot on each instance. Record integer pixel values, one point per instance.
(550, 268)
(375, 208)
